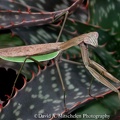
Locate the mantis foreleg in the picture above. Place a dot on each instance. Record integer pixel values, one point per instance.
(91, 66)
(104, 71)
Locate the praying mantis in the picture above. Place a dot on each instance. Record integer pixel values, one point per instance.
(48, 51)
(43, 52)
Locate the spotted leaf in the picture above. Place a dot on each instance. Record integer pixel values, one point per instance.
(105, 14)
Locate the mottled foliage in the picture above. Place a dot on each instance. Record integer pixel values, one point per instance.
(44, 93)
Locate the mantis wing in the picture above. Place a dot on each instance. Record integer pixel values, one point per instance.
(38, 58)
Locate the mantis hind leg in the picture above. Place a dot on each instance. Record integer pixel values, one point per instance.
(28, 57)
(56, 62)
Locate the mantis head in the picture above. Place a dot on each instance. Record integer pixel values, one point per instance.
(91, 38)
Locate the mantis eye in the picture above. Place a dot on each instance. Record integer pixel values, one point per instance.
(91, 39)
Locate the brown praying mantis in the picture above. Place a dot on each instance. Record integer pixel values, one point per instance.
(43, 52)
